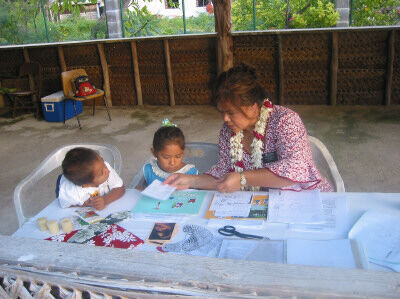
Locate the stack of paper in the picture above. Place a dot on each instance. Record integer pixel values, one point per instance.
(379, 231)
(236, 204)
(295, 207)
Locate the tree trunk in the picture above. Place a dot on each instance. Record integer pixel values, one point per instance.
(223, 25)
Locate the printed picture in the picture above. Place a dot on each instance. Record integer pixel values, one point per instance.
(161, 232)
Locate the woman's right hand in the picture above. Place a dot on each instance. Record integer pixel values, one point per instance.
(180, 181)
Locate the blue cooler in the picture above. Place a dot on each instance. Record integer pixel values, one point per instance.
(53, 107)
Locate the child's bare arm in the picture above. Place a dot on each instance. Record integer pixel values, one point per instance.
(100, 202)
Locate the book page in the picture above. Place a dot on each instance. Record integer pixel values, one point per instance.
(294, 207)
(379, 231)
(158, 191)
(326, 253)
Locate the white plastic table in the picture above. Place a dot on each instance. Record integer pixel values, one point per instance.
(357, 204)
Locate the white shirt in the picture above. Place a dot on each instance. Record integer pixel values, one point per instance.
(71, 194)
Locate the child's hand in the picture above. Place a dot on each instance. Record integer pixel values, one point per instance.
(87, 203)
(98, 202)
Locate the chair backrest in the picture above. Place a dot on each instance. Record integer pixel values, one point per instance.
(203, 155)
(325, 164)
(108, 152)
(33, 70)
(67, 77)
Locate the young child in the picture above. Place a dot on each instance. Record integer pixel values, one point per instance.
(88, 181)
(168, 148)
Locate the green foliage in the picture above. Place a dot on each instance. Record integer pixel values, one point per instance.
(76, 28)
(323, 14)
(140, 22)
(375, 12)
(73, 6)
(274, 14)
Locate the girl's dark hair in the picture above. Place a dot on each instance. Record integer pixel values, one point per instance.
(239, 86)
(77, 165)
(166, 135)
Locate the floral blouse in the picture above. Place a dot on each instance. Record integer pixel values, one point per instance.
(287, 152)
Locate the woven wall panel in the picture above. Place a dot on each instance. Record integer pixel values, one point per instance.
(396, 70)
(119, 60)
(10, 61)
(362, 67)
(152, 70)
(193, 64)
(259, 52)
(306, 62)
(51, 71)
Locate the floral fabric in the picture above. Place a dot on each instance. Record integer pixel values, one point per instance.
(287, 139)
(101, 234)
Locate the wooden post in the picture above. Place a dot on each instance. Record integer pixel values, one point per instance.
(389, 72)
(61, 59)
(106, 77)
(223, 24)
(169, 73)
(27, 59)
(334, 68)
(136, 74)
(279, 73)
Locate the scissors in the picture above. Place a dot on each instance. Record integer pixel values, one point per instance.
(229, 230)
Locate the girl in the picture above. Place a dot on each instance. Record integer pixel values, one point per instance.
(168, 148)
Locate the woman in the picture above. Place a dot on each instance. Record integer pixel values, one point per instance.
(260, 144)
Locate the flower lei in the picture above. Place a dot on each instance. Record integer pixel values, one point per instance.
(236, 146)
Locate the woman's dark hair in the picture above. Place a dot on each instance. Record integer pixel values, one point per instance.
(239, 86)
(77, 165)
(166, 135)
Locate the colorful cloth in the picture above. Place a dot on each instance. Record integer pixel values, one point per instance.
(287, 152)
(101, 234)
(152, 171)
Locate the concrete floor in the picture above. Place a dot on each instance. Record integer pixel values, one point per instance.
(364, 142)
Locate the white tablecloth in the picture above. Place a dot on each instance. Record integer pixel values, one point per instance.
(357, 204)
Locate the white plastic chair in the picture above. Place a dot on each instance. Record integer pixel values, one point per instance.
(108, 152)
(203, 155)
(325, 164)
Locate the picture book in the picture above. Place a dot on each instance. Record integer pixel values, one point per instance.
(89, 216)
(183, 202)
(229, 206)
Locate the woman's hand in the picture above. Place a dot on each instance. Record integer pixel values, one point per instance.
(180, 181)
(230, 182)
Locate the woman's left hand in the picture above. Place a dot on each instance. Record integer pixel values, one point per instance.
(230, 182)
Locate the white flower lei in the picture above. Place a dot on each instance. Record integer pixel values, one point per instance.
(236, 146)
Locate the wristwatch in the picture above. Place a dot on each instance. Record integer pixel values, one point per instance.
(243, 180)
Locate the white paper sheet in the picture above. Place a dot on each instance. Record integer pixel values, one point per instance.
(295, 207)
(329, 253)
(265, 250)
(239, 210)
(334, 214)
(236, 204)
(158, 191)
(379, 231)
(224, 201)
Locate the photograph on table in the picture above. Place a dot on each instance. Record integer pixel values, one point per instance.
(162, 233)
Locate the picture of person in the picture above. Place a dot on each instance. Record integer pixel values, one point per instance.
(162, 231)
